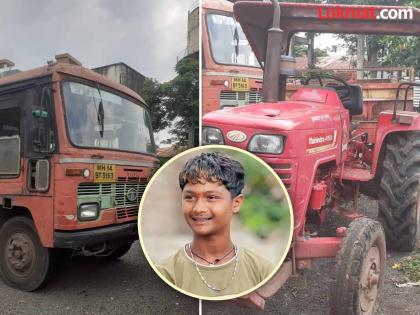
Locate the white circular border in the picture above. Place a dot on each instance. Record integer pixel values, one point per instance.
(229, 296)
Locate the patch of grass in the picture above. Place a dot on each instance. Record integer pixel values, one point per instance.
(411, 267)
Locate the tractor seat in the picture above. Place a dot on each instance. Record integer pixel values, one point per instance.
(354, 100)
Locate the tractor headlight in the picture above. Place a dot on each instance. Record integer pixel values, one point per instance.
(88, 211)
(266, 144)
(212, 135)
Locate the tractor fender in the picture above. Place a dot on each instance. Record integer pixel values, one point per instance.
(386, 127)
(301, 206)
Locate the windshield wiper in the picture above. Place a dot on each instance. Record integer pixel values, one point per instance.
(100, 113)
(236, 41)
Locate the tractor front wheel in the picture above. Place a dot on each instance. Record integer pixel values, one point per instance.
(399, 191)
(360, 269)
(24, 262)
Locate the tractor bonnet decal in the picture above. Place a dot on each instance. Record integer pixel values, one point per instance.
(236, 136)
(321, 141)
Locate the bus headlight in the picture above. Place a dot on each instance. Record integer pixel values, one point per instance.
(212, 135)
(266, 144)
(88, 211)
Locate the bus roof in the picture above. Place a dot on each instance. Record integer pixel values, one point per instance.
(69, 69)
(219, 5)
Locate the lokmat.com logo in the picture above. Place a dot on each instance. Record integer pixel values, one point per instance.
(364, 13)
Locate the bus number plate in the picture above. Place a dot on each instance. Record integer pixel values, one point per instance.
(103, 173)
(240, 84)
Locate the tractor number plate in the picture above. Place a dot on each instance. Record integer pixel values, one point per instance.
(103, 173)
(240, 84)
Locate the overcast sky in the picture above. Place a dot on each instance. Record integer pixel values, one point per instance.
(145, 34)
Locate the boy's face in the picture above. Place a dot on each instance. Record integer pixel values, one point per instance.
(208, 208)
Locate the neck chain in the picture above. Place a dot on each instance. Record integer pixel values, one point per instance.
(211, 262)
(202, 277)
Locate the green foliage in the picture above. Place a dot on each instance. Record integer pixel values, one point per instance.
(399, 50)
(302, 50)
(175, 103)
(403, 51)
(181, 101)
(152, 94)
(320, 52)
(411, 267)
(388, 50)
(265, 208)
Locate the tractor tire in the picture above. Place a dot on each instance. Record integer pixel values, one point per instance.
(360, 269)
(399, 190)
(24, 262)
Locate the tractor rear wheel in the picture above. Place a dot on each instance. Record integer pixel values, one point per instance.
(360, 269)
(399, 191)
(24, 262)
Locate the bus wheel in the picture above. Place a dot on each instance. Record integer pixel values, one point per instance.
(24, 262)
(360, 269)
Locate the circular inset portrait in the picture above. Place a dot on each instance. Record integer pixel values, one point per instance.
(215, 222)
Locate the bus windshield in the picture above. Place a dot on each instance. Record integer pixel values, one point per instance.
(125, 126)
(228, 42)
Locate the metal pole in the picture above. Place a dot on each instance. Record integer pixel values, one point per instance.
(272, 58)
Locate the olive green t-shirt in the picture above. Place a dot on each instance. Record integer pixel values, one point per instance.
(180, 270)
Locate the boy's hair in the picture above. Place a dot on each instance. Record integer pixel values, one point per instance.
(214, 167)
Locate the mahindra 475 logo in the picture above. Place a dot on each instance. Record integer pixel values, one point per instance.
(321, 141)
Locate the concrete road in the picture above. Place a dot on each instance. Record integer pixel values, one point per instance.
(129, 286)
(85, 285)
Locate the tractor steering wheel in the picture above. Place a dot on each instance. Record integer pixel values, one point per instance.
(343, 89)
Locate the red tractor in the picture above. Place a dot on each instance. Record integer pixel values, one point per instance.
(325, 158)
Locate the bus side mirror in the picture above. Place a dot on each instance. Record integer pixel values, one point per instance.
(42, 175)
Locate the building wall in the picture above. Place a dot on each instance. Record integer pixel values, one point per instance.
(124, 75)
(193, 32)
(8, 72)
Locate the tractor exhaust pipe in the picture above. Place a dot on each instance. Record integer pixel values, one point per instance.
(271, 83)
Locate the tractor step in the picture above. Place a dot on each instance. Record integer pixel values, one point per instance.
(354, 174)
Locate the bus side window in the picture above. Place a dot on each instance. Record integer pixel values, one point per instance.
(9, 119)
(9, 138)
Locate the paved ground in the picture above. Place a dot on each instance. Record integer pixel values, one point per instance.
(129, 286)
(85, 285)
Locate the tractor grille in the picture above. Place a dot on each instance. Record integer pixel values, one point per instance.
(233, 99)
(285, 172)
(124, 195)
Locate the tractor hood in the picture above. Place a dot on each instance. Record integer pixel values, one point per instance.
(308, 108)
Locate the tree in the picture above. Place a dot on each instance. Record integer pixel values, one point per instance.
(153, 96)
(181, 102)
(302, 50)
(384, 50)
(398, 50)
(387, 50)
(174, 104)
(360, 55)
